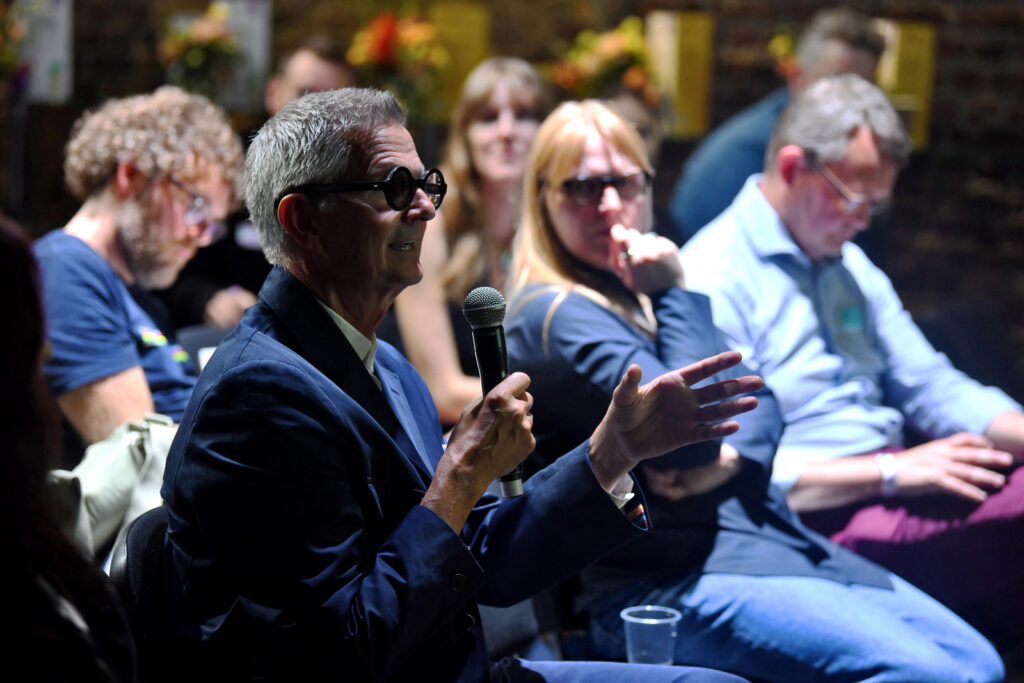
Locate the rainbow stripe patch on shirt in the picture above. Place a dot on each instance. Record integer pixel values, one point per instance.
(152, 337)
(179, 353)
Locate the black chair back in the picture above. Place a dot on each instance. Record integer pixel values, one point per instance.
(136, 569)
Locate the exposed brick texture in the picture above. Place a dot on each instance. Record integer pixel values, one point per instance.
(958, 222)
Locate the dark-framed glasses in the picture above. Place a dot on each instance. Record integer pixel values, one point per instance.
(588, 189)
(850, 202)
(199, 214)
(399, 187)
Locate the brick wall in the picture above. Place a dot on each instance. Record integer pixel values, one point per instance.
(958, 222)
(955, 245)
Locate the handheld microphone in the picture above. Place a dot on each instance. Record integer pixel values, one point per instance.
(485, 311)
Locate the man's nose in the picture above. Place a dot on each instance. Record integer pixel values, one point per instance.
(421, 209)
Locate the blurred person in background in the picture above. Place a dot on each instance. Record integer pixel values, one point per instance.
(837, 40)
(763, 596)
(825, 328)
(502, 102)
(223, 279)
(155, 173)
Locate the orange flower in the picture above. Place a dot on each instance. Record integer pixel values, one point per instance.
(382, 31)
(635, 78)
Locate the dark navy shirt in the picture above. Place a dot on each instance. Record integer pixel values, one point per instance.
(96, 329)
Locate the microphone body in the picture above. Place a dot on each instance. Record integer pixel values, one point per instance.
(485, 311)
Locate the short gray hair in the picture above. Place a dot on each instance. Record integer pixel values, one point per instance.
(841, 24)
(310, 140)
(828, 112)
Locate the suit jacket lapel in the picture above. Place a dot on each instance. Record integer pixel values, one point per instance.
(317, 339)
(412, 443)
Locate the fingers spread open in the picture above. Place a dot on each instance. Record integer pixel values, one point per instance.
(726, 388)
(704, 432)
(703, 369)
(722, 411)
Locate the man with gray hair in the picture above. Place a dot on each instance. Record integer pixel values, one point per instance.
(318, 530)
(827, 332)
(836, 41)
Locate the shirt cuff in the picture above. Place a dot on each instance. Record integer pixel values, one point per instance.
(622, 492)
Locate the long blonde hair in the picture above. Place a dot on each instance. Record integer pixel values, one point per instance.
(539, 257)
(463, 204)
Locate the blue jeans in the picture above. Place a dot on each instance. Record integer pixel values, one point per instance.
(808, 629)
(616, 672)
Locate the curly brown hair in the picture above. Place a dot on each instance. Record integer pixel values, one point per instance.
(162, 132)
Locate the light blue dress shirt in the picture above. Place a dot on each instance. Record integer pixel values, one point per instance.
(831, 339)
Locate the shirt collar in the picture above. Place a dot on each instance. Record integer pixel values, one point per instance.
(765, 230)
(768, 235)
(365, 348)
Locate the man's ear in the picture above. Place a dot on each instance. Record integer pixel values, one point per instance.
(295, 214)
(789, 161)
(128, 180)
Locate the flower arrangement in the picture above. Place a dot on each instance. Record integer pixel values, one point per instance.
(782, 48)
(12, 32)
(200, 53)
(599, 62)
(402, 54)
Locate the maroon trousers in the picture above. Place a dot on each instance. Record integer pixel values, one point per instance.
(969, 556)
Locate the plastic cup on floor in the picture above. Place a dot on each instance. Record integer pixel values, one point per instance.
(650, 633)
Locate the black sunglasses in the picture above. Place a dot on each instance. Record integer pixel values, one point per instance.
(399, 187)
(588, 189)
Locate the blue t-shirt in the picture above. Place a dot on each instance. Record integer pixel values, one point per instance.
(96, 329)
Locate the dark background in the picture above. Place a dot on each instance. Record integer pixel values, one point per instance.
(955, 244)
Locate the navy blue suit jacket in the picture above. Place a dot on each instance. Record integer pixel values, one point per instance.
(576, 354)
(297, 548)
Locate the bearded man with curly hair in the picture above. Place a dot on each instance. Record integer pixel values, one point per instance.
(155, 173)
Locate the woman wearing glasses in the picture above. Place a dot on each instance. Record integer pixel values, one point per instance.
(592, 292)
(502, 102)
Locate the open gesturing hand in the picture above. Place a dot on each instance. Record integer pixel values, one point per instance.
(667, 413)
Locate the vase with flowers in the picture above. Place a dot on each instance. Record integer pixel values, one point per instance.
(200, 53)
(403, 54)
(597, 64)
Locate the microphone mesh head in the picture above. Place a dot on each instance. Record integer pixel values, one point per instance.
(484, 307)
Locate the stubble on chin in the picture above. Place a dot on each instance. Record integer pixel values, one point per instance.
(142, 247)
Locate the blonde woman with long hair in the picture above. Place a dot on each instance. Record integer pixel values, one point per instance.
(593, 292)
